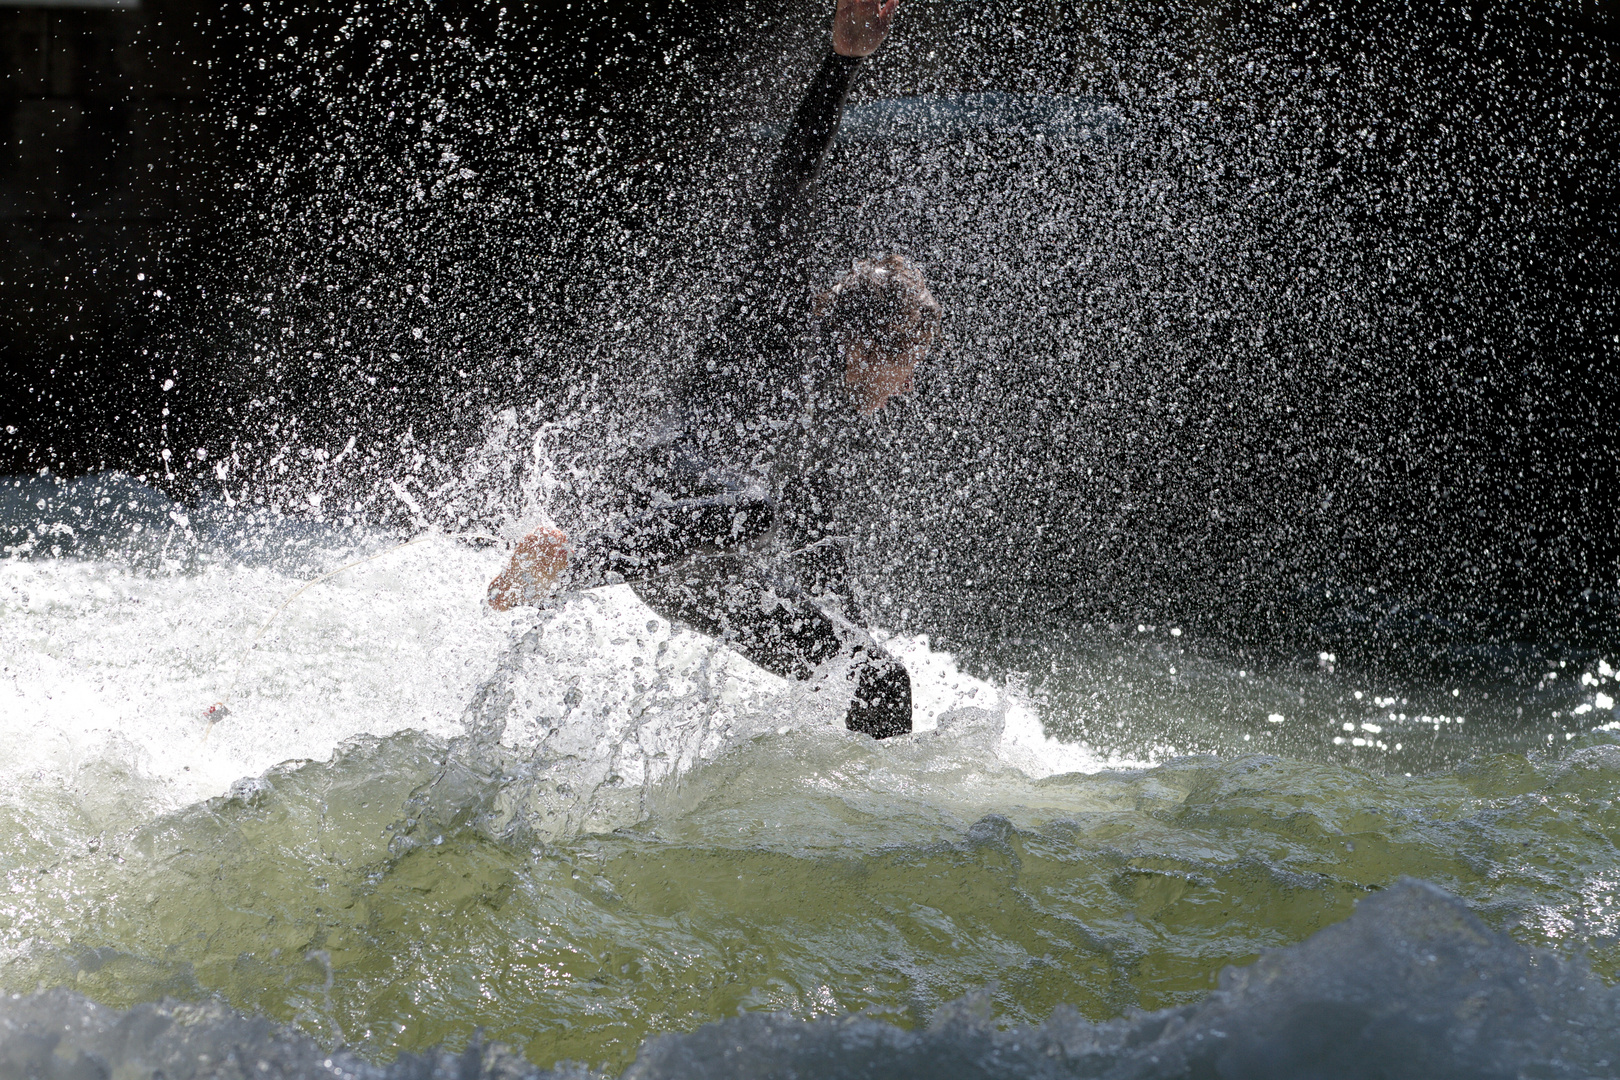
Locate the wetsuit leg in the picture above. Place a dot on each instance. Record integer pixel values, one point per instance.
(779, 628)
(731, 598)
(881, 706)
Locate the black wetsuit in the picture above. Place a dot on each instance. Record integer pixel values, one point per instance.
(740, 484)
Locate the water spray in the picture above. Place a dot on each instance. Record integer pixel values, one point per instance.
(221, 708)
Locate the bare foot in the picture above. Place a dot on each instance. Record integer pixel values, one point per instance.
(537, 562)
(859, 26)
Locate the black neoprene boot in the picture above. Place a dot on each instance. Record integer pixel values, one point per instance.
(881, 706)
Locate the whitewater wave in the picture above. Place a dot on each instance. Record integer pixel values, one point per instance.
(581, 826)
(166, 655)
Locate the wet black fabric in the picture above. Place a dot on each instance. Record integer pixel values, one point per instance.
(734, 538)
(738, 600)
(881, 706)
(661, 539)
(765, 396)
(754, 363)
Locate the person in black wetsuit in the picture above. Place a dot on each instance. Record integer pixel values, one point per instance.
(739, 485)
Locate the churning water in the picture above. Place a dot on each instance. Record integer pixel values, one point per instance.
(1239, 546)
(417, 819)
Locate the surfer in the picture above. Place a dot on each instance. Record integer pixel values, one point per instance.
(753, 461)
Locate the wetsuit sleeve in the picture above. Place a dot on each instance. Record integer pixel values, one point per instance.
(755, 339)
(658, 539)
(815, 122)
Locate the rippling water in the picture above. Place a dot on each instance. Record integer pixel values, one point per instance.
(578, 828)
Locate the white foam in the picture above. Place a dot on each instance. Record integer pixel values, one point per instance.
(940, 688)
(101, 662)
(110, 667)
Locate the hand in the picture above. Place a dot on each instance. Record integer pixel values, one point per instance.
(859, 26)
(537, 562)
